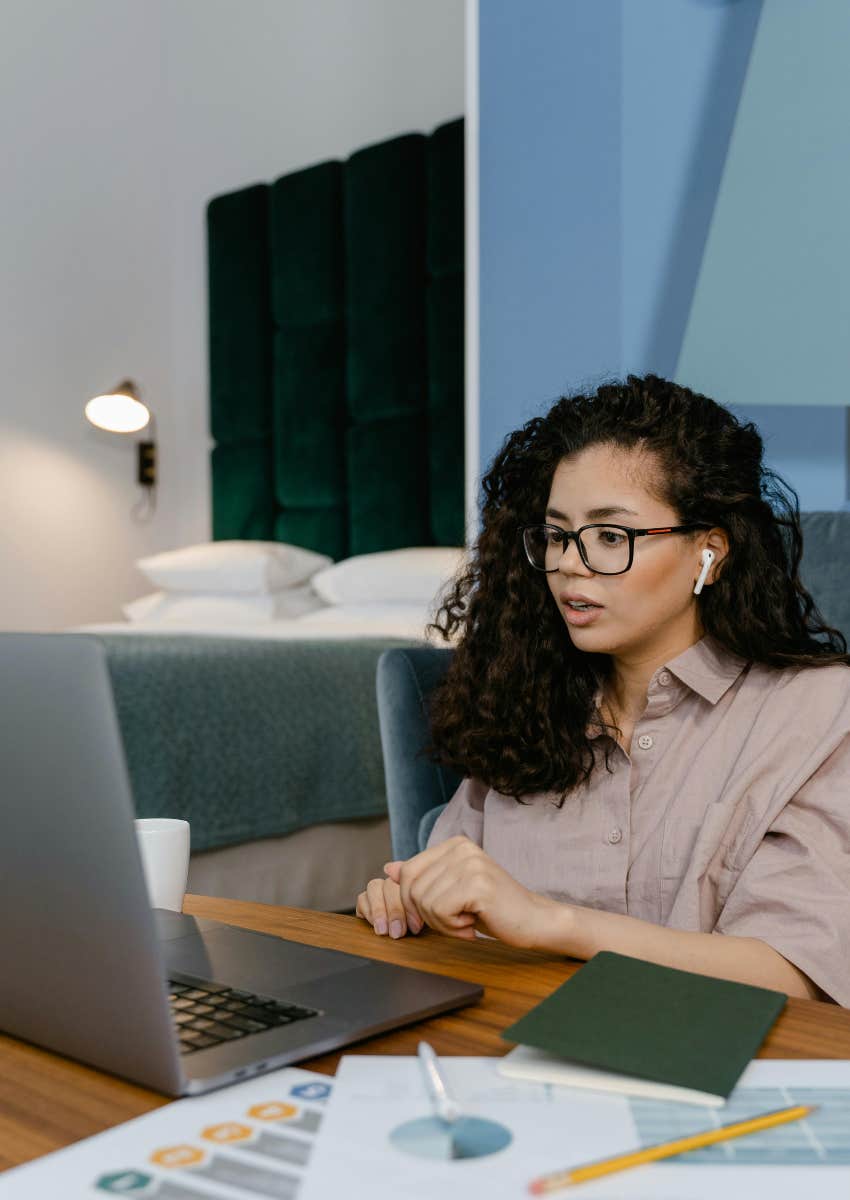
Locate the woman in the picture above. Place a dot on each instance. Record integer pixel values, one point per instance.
(651, 715)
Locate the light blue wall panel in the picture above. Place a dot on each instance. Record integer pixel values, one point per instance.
(550, 235)
(684, 63)
(604, 128)
(770, 317)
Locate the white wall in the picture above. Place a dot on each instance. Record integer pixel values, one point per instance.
(83, 277)
(119, 120)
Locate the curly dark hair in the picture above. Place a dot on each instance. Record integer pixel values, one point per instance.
(518, 698)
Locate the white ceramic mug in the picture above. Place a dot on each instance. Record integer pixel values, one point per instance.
(164, 847)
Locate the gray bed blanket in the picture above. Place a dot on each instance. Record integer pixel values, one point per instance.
(249, 739)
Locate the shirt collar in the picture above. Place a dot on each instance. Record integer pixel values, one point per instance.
(707, 669)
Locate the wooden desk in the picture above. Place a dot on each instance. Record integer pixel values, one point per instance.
(47, 1102)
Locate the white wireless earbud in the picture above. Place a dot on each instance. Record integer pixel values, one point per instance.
(707, 560)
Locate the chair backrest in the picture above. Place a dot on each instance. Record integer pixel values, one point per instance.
(826, 557)
(417, 788)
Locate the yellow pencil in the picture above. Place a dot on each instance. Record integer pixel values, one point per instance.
(549, 1183)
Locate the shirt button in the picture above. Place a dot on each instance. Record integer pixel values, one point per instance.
(664, 678)
(645, 742)
(616, 835)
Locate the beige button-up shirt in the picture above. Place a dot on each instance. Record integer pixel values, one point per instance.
(730, 815)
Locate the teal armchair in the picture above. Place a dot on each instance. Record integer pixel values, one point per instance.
(417, 789)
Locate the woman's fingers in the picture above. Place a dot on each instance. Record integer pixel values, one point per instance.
(446, 904)
(436, 868)
(393, 869)
(425, 857)
(382, 907)
(432, 886)
(399, 920)
(377, 905)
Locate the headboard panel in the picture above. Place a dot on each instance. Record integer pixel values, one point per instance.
(308, 391)
(240, 363)
(386, 279)
(445, 301)
(336, 351)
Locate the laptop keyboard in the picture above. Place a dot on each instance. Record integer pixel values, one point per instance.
(206, 1015)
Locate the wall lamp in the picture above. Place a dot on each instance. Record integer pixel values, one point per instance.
(121, 411)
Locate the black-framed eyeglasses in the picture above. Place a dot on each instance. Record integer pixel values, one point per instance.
(604, 549)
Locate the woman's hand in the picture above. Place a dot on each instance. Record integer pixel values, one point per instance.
(458, 889)
(382, 907)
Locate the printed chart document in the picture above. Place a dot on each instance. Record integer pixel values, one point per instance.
(371, 1148)
(248, 1142)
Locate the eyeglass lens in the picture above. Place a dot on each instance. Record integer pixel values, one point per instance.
(606, 548)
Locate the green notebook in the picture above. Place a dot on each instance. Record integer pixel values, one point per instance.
(643, 1029)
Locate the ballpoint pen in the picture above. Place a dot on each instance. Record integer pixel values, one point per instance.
(444, 1104)
(449, 1132)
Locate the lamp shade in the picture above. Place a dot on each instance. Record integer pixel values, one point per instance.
(118, 411)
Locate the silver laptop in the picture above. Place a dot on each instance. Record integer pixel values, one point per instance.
(87, 969)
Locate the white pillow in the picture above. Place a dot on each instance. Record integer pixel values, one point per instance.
(412, 576)
(201, 609)
(245, 568)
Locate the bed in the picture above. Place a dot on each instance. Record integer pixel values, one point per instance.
(336, 401)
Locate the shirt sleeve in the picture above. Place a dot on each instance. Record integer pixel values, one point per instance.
(464, 814)
(794, 893)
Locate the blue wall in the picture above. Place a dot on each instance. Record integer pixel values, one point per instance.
(550, 241)
(683, 68)
(770, 314)
(604, 129)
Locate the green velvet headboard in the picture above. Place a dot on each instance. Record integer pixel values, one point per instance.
(336, 351)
